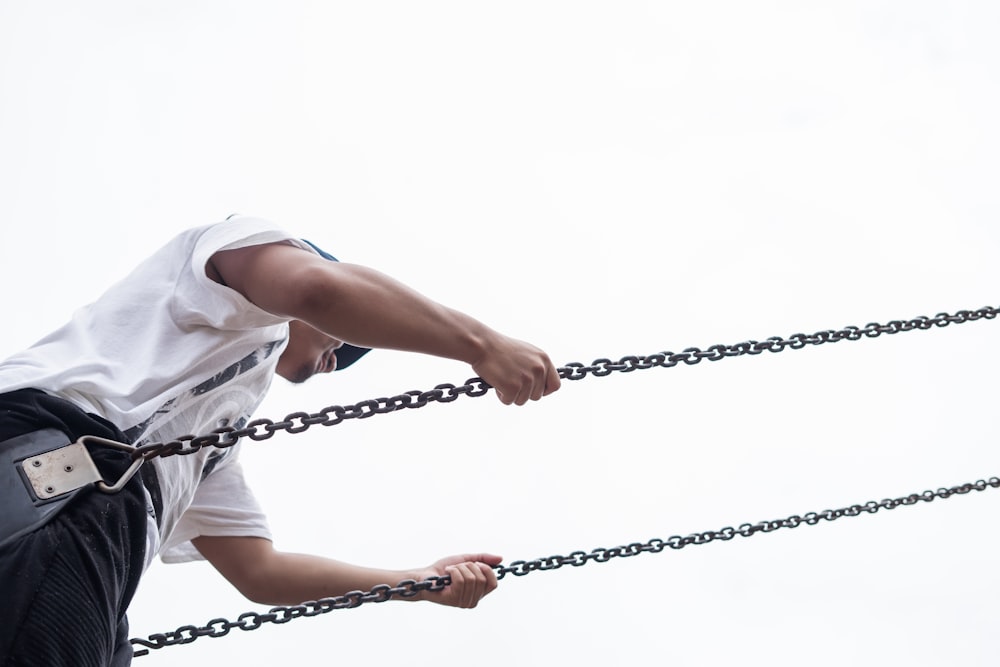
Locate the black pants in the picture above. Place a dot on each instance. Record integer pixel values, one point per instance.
(64, 587)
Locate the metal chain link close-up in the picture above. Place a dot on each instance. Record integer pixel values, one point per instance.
(297, 422)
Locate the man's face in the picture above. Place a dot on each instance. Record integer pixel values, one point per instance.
(309, 351)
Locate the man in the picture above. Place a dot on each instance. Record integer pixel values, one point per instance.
(187, 343)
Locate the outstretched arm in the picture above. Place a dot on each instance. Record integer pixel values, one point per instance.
(364, 307)
(272, 577)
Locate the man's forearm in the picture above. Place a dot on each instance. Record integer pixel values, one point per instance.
(267, 576)
(295, 578)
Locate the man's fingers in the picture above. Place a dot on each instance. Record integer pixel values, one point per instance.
(531, 386)
(463, 584)
(491, 577)
(552, 381)
(470, 582)
(546, 381)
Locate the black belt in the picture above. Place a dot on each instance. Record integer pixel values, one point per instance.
(40, 472)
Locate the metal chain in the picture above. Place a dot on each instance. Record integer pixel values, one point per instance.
(220, 627)
(297, 422)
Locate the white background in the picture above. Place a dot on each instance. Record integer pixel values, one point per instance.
(602, 179)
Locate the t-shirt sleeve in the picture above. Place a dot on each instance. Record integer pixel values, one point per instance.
(200, 301)
(223, 506)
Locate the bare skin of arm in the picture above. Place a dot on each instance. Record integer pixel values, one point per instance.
(268, 576)
(364, 307)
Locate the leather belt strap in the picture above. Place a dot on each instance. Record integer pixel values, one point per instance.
(23, 511)
(41, 471)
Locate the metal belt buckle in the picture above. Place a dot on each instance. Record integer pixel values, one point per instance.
(60, 471)
(69, 468)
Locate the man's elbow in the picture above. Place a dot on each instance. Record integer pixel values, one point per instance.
(260, 589)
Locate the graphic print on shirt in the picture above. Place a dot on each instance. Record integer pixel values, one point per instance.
(226, 399)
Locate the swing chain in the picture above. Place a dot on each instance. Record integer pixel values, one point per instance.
(656, 545)
(251, 620)
(695, 355)
(297, 422)
(220, 627)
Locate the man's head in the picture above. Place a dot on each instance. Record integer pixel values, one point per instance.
(309, 351)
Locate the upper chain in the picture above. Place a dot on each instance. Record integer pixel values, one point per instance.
(297, 422)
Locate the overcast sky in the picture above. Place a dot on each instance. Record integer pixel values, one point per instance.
(602, 179)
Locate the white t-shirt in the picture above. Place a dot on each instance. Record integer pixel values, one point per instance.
(168, 352)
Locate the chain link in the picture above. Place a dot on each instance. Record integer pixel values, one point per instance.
(298, 422)
(656, 545)
(220, 627)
